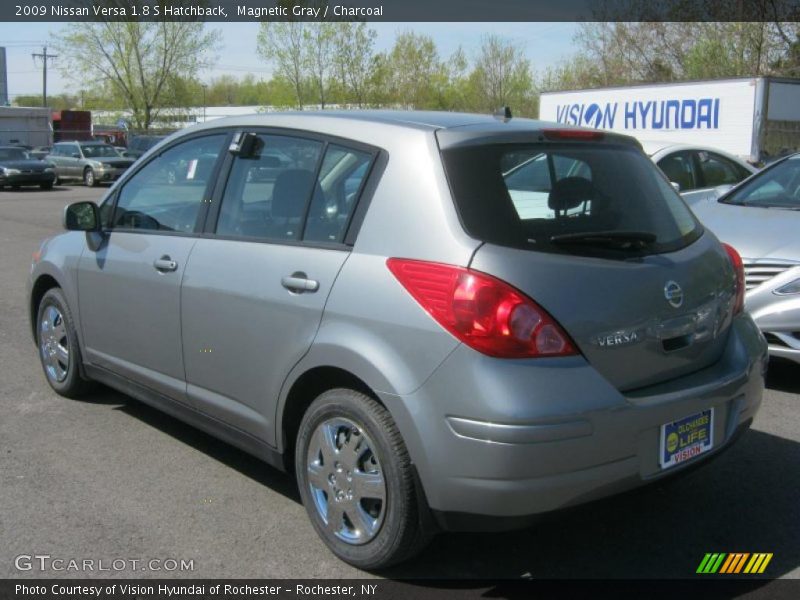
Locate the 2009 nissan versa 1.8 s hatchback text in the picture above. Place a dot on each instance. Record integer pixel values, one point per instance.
(438, 321)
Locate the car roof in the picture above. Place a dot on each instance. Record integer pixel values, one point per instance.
(383, 124)
(412, 119)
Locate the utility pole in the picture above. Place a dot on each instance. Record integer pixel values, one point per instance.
(203, 85)
(44, 56)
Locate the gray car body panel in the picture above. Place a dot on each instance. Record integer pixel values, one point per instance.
(592, 299)
(487, 436)
(764, 237)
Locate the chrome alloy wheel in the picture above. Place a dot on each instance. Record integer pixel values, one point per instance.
(54, 344)
(346, 481)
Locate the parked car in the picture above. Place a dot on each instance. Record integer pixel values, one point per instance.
(140, 144)
(761, 219)
(381, 319)
(18, 168)
(90, 162)
(697, 170)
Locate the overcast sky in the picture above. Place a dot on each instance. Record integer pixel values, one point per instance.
(545, 44)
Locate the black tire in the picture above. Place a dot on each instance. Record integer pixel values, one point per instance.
(89, 178)
(73, 385)
(46, 186)
(402, 532)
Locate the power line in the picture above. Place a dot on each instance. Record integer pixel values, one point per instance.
(44, 56)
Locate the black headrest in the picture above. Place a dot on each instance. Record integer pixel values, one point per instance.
(570, 192)
(290, 193)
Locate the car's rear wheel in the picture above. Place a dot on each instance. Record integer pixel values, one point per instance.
(357, 482)
(58, 345)
(89, 178)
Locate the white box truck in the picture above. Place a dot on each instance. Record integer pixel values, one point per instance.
(26, 126)
(754, 118)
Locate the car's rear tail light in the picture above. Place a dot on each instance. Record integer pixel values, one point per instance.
(738, 268)
(483, 312)
(572, 134)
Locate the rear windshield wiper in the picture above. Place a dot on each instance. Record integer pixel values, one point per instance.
(623, 240)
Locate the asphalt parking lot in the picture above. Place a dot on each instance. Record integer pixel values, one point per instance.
(110, 478)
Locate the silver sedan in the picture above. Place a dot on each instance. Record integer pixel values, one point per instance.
(761, 218)
(698, 172)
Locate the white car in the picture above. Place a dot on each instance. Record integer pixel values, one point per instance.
(698, 171)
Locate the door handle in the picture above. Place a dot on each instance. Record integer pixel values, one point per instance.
(165, 264)
(298, 282)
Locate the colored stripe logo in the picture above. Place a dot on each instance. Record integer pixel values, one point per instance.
(734, 563)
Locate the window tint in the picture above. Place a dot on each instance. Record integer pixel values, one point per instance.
(269, 195)
(166, 194)
(587, 196)
(98, 151)
(340, 178)
(13, 154)
(718, 170)
(778, 187)
(679, 168)
(530, 182)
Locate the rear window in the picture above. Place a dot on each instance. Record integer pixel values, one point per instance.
(535, 196)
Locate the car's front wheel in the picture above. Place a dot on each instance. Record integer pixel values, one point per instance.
(89, 178)
(58, 345)
(357, 482)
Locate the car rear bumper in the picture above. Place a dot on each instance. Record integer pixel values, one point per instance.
(511, 439)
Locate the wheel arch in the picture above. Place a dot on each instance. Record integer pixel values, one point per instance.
(302, 392)
(40, 287)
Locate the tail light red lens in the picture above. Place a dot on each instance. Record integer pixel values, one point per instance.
(738, 268)
(481, 311)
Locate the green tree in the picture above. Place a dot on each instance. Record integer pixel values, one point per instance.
(137, 60)
(502, 77)
(354, 61)
(283, 46)
(412, 64)
(320, 41)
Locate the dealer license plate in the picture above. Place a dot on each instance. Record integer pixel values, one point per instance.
(686, 438)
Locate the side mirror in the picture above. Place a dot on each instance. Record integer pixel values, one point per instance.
(81, 216)
(75, 155)
(675, 185)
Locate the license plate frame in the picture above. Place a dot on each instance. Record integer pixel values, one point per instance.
(686, 438)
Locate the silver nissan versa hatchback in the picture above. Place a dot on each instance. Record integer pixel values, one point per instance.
(438, 321)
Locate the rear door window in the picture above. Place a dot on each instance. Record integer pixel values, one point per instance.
(268, 191)
(293, 189)
(679, 168)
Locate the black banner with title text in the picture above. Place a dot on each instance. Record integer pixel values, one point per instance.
(399, 10)
(379, 589)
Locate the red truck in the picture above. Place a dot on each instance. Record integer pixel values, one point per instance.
(72, 125)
